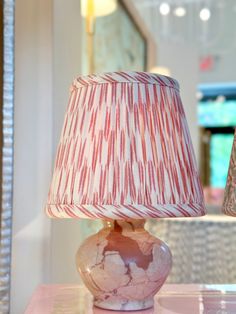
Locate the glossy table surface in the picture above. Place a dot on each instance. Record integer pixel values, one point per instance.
(171, 299)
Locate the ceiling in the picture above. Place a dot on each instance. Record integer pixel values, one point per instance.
(215, 30)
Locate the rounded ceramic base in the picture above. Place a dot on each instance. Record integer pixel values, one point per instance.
(131, 305)
(123, 265)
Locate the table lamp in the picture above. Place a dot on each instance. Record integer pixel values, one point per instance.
(229, 204)
(125, 155)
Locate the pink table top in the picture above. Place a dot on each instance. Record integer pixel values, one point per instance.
(172, 299)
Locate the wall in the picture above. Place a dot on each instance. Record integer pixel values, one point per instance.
(221, 45)
(180, 58)
(32, 149)
(47, 59)
(183, 41)
(66, 234)
(183, 65)
(215, 38)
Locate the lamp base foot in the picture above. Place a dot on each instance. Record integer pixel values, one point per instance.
(130, 305)
(123, 265)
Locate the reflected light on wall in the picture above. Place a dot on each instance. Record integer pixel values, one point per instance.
(161, 70)
(100, 7)
(180, 11)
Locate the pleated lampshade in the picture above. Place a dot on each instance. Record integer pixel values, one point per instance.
(125, 151)
(229, 204)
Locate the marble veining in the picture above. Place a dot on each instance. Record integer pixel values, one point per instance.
(123, 265)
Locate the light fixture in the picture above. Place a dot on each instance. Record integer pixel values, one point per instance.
(164, 8)
(100, 7)
(161, 70)
(205, 14)
(180, 11)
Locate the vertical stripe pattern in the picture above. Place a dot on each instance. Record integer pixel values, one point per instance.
(125, 151)
(229, 204)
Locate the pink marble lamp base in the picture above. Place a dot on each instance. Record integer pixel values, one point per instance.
(123, 265)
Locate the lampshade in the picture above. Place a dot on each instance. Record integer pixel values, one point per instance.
(99, 7)
(229, 204)
(125, 151)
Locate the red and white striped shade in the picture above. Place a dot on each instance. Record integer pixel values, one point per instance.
(125, 151)
(229, 205)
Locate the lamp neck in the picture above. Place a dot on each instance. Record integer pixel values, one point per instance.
(129, 224)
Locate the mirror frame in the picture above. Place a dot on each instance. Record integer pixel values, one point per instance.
(7, 152)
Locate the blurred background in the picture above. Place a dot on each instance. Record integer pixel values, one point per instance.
(193, 41)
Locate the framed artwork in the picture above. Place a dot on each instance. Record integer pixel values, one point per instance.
(121, 41)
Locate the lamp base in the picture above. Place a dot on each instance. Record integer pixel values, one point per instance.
(123, 265)
(124, 305)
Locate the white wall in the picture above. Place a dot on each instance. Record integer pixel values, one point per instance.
(182, 60)
(33, 149)
(180, 57)
(221, 45)
(216, 37)
(182, 41)
(66, 234)
(67, 47)
(47, 59)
